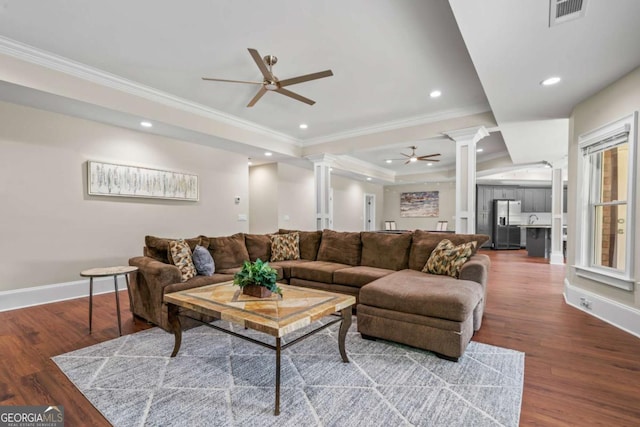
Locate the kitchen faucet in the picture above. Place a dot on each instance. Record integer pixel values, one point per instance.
(531, 220)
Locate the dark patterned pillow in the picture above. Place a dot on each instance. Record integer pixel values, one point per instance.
(203, 261)
(447, 258)
(180, 256)
(285, 247)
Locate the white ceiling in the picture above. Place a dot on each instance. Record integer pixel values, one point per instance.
(386, 56)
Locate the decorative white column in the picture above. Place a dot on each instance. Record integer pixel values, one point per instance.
(557, 254)
(466, 140)
(322, 174)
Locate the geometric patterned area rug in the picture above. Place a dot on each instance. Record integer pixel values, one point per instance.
(220, 380)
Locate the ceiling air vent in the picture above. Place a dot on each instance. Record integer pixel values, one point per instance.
(561, 11)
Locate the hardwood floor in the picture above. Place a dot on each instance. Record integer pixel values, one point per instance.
(578, 369)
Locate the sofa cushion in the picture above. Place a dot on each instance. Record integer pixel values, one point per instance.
(196, 282)
(229, 251)
(258, 246)
(424, 242)
(309, 243)
(410, 291)
(158, 247)
(316, 271)
(285, 247)
(340, 247)
(286, 266)
(359, 276)
(203, 261)
(180, 256)
(447, 258)
(382, 250)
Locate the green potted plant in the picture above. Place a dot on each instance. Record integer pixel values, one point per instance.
(257, 279)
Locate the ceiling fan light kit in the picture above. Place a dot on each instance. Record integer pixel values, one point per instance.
(412, 158)
(271, 83)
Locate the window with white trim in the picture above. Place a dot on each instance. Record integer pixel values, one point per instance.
(607, 187)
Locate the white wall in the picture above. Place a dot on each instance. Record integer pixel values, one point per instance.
(51, 229)
(348, 203)
(447, 194)
(263, 198)
(296, 198)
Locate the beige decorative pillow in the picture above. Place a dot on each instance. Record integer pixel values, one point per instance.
(180, 256)
(448, 259)
(285, 247)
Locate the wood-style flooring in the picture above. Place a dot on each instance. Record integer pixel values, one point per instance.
(579, 371)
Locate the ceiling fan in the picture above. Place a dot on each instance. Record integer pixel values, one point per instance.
(271, 83)
(410, 158)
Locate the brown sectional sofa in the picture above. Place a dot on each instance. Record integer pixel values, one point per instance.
(395, 300)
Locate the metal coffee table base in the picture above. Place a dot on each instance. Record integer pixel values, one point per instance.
(345, 319)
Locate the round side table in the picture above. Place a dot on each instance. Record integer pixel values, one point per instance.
(106, 272)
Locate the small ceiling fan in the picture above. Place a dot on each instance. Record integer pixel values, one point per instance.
(272, 83)
(410, 158)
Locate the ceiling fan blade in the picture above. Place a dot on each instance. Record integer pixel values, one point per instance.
(306, 78)
(429, 160)
(261, 65)
(425, 157)
(256, 98)
(407, 162)
(230, 81)
(406, 155)
(295, 96)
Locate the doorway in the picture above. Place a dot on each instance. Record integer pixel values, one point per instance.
(369, 212)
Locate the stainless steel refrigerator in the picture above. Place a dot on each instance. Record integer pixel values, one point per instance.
(507, 216)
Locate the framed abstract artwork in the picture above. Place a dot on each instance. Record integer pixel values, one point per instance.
(420, 204)
(108, 179)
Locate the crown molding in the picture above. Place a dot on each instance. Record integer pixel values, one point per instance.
(354, 166)
(399, 124)
(67, 66)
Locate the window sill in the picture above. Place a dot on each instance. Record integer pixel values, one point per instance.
(605, 277)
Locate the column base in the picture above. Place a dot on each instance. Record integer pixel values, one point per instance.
(556, 258)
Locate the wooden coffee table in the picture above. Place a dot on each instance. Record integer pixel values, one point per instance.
(277, 315)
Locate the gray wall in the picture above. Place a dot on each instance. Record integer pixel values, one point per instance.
(51, 229)
(348, 203)
(447, 194)
(612, 103)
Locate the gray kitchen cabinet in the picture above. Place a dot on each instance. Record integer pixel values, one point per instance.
(484, 197)
(548, 199)
(564, 200)
(528, 200)
(504, 192)
(484, 226)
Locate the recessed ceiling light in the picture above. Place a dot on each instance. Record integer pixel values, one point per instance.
(435, 94)
(268, 153)
(330, 169)
(368, 178)
(550, 81)
(479, 150)
(429, 164)
(146, 124)
(250, 163)
(389, 161)
(413, 159)
(303, 126)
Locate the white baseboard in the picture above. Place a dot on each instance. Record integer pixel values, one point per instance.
(28, 297)
(619, 315)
